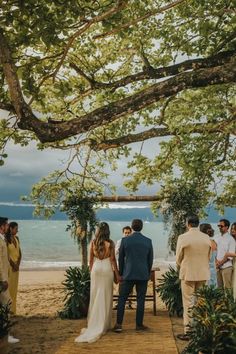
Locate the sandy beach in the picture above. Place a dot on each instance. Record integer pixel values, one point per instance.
(41, 331)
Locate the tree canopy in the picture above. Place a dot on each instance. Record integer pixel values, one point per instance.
(96, 76)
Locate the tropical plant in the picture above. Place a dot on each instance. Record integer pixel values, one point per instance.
(77, 288)
(5, 322)
(214, 322)
(169, 289)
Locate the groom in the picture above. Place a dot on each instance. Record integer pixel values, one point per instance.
(135, 264)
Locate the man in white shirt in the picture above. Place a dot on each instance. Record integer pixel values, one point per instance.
(4, 265)
(126, 232)
(225, 243)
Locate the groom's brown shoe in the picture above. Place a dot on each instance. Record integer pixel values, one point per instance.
(142, 328)
(183, 336)
(117, 328)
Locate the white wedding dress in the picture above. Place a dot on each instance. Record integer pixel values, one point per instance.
(100, 305)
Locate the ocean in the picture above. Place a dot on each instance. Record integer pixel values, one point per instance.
(47, 244)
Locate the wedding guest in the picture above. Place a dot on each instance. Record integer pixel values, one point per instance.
(126, 232)
(193, 252)
(4, 266)
(14, 256)
(207, 229)
(225, 244)
(135, 264)
(233, 254)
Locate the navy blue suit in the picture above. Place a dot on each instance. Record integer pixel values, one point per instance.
(135, 264)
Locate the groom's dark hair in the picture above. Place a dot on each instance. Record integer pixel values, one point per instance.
(137, 225)
(3, 220)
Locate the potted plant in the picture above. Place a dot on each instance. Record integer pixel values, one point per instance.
(169, 289)
(214, 322)
(5, 325)
(77, 288)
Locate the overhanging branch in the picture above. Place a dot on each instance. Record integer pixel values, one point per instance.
(151, 73)
(48, 132)
(197, 128)
(137, 101)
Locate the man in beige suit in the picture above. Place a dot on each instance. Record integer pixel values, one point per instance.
(4, 266)
(192, 257)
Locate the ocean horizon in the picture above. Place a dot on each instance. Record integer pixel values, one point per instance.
(47, 245)
(121, 211)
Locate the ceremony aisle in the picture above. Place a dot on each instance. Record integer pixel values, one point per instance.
(41, 331)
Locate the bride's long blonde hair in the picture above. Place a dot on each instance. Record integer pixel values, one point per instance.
(102, 234)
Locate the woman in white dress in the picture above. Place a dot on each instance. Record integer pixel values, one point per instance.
(207, 229)
(102, 264)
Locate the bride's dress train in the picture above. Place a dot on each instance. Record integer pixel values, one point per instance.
(100, 305)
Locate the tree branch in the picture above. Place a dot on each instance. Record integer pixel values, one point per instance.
(136, 102)
(129, 198)
(151, 73)
(7, 107)
(197, 128)
(119, 6)
(22, 110)
(48, 132)
(149, 14)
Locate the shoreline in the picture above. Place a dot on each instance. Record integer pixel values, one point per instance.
(41, 277)
(55, 276)
(157, 263)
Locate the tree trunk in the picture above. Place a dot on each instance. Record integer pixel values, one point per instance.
(84, 251)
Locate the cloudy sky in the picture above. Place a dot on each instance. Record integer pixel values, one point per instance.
(26, 166)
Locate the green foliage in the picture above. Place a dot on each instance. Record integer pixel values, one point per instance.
(5, 322)
(214, 322)
(227, 197)
(179, 199)
(169, 289)
(77, 288)
(47, 37)
(61, 187)
(81, 210)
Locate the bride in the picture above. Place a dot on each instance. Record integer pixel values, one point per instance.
(102, 263)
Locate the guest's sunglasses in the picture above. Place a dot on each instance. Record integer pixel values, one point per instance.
(221, 226)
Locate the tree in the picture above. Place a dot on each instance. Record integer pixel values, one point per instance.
(106, 74)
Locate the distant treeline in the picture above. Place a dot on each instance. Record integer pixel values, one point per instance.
(26, 213)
